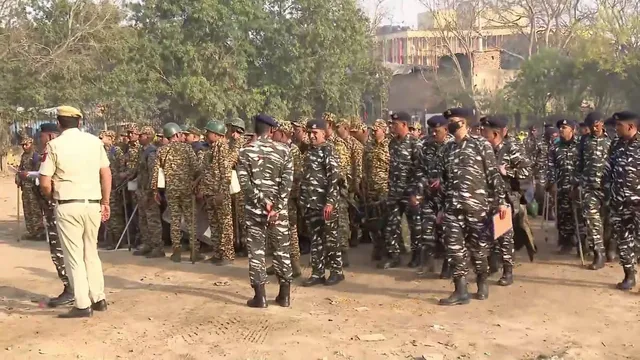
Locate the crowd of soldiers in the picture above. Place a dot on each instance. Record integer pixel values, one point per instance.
(331, 183)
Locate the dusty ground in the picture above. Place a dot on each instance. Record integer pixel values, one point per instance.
(162, 310)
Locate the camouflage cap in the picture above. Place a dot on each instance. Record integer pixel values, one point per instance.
(300, 122)
(102, 134)
(329, 117)
(415, 124)
(133, 128)
(159, 132)
(285, 126)
(111, 134)
(147, 130)
(358, 125)
(379, 124)
(194, 131)
(343, 121)
(26, 140)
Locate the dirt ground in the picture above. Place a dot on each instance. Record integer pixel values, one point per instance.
(162, 310)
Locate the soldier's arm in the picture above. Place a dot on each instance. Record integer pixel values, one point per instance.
(357, 165)
(494, 180)
(224, 170)
(297, 171)
(438, 172)
(156, 169)
(284, 187)
(193, 162)
(243, 169)
(519, 166)
(385, 167)
(551, 166)
(606, 174)
(418, 172)
(333, 176)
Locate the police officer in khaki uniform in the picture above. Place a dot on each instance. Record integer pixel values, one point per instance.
(80, 183)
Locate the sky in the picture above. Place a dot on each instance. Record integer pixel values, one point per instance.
(402, 12)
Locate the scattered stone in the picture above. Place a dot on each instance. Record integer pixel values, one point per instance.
(432, 356)
(8, 348)
(361, 309)
(222, 283)
(371, 337)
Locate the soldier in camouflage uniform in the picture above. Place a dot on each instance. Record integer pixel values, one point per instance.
(214, 187)
(563, 157)
(319, 197)
(301, 140)
(429, 147)
(515, 169)
(531, 143)
(621, 190)
(344, 161)
(358, 130)
(541, 162)
(235, 131)
(116, 223)
(472, 190)
(404, 155)
(355, 149)
(181, 168)
(415, 128)
(131, 154)
(149, 215)
(592, 158)
(30, 161)
(265, 172)
(283, 135)
(376, 185)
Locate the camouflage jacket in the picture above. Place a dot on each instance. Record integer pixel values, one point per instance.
(517, 166)
(428, 150)
(355, 149)
(131, 156)
(265, 173)
(403, 163)
(29, 161)
(146, 164)
(341, 151)
(592, 158)
(319, 184)
(180, 166)
(216, 169)
(563, 157)
(376, 168)
(296, 156)
(469, 177)
(541, 161)
(116, 163)
(234, 150)
(620, 179)
(531, 144)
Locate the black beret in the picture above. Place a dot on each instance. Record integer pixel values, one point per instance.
(592, 118)
(610, 121)
(266, 119)
(401, 116)
(548, 125)
(437, 121)
(494, 122)
(550, 130)
(564, 122)
(459, 112)
(583, 124)
(626, 116)
(316, 124)
(49, 127)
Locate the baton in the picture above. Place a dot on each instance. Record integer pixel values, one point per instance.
(126, 217)
(575, 218)
(192, 236)
(18, 212)
(126, 228)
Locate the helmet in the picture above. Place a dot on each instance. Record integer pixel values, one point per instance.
(237, 122)
(216, 127)
(170, 129)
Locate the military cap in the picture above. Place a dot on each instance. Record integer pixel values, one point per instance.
(300, 122)
(314, 124)
(147, 130)
(342, 121)
(358, 125)
(26, 140)
(68, 111)
(266, 119)
(550, 130)
(184, 127)
(379, 124)
(583, 124)
(49, 127)
(564, 122)
(401, 116)
(329, 117)
(170, 129)
(626, 116)
(236, 122)
(415, 124)
(494, 122)
(102, 134)
(133, 128)
(216, 127)
(464, 113)
(194, 131)
(249, 128)
(159, 132)
(592, 118)
(111, 134)
(285, 126)
(437, 121)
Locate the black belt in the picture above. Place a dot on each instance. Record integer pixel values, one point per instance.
(78, 201)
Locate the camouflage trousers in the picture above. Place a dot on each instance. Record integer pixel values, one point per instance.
(149, 219)
(565, 219)
(181, 206)
(239, 220)
(55, 246)
(31, 210)
(325, 248)
(221, 227)
(375, 221)
(293, 232)
(344, 227)
(116, 222)
(626, 227)
(503, 248)
(462, 230)
(431, 232)
(592, 207)
(257, 230)
(393, 237)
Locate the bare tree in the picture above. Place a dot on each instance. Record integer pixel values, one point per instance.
(378, 12)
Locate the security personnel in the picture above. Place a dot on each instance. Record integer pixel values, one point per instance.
(80, 183)
(30, 161)
(235, 131)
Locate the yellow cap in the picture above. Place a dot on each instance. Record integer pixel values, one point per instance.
(68, 111)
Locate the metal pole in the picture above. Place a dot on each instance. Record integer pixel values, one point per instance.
(18, 212)
(126, 217)
(126, 228)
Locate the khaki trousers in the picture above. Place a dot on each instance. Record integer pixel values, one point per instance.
(78, 225)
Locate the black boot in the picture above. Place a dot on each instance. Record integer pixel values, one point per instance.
(460, 295)
(598, 260)
(392, 262)
(483, 287)
(428, 263)
(284, 299)
(142, 250)
(629, 279)
(313, 280)
(345, 258)
(259, 299)
(494, 263)
(65, 298)
(334, 278)
(445, 273)
(415, 259)
(507, 275)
